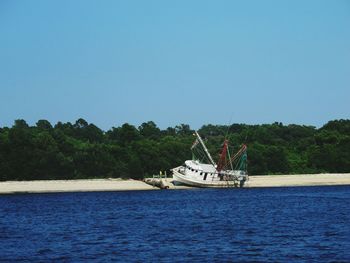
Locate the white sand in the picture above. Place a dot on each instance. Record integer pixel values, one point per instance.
(298, 180)
(72, 186)
(126, 185)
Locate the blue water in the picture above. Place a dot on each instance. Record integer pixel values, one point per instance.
(310, 224)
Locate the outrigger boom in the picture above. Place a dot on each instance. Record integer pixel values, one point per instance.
(205, 149)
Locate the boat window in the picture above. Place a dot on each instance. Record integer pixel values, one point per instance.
(200, 173)
(205, 176)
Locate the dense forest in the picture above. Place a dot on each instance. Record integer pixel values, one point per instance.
(82, 150)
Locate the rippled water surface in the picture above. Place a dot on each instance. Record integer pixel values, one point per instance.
(301, 224)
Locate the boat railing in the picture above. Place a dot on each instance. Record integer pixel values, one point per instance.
(182, 170)
(160, 175)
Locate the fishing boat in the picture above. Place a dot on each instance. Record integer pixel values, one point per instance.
(202, 171)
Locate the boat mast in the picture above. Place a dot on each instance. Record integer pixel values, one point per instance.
(205, 149)
(221, 162)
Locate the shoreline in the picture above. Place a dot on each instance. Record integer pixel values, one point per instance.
(99, 185)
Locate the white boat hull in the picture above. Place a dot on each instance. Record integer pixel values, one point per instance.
(183, 179)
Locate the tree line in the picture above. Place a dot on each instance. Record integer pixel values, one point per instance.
(82, 150)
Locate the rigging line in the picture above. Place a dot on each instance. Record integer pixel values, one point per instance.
(241, 150)
(240, 162)
(229, 157)
(202, 157)
(237, 157)
(228, 161)
(201, 153)
(205, 149)
(197, 155)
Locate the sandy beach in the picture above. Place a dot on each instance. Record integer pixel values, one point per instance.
(84, 185)
(298, 180)
(88, 185)
(46, 186)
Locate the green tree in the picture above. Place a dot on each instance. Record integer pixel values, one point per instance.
(44, 125)
(82, 150)
(183, 129)
(125, 134)
(149, 130)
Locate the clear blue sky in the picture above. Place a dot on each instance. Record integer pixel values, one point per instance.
(173, 62)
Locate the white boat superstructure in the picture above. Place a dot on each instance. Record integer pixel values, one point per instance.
(228, 172)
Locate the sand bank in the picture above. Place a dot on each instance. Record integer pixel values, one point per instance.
(298, 180)
(48, 186)
(84, 185)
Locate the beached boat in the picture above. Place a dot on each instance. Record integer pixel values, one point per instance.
(202, 171)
